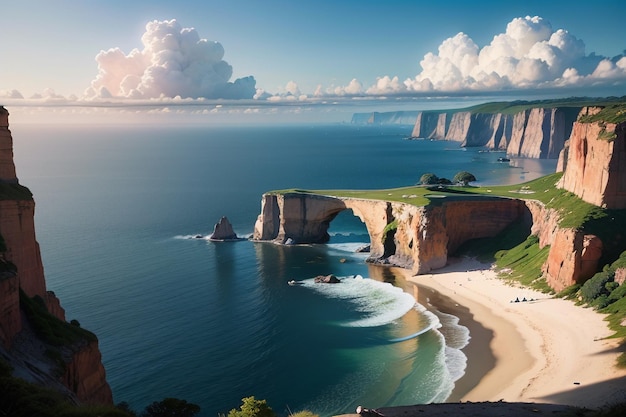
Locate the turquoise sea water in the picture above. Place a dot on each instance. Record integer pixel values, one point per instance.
(215, 322)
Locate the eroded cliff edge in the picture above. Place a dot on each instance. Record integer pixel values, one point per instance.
(532, 133)
(35, 339)
(421, 237)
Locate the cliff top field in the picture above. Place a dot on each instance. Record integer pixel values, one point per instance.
(613, 107)
(512, 107)
(575, 212)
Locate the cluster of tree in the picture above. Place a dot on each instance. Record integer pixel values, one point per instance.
(462, 178)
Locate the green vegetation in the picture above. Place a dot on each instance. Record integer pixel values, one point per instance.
(171, 407)
(49, 328)
(252, 407)
(463, 178)
(523, 263)
(390, 228)
(512, 107)
(612, 113)
(429, 179)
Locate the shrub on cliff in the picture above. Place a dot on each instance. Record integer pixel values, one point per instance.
(429, 179)
(171, 407)
(596, 286)
(251, 407)
(463, 177)
(48, 327)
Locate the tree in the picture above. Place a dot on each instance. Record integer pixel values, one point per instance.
(463, 177)
(171, 407)
(252, 407)
(428, 179)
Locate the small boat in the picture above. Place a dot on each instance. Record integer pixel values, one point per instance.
(504, 160)
(294, 282)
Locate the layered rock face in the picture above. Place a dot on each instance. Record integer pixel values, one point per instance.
(421, 238)
(534, 133)
(573, 256)
(305, 218)
(24, 271)
(594, 163)
(7, 166)
(418, 238)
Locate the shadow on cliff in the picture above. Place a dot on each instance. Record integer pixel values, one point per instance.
(610, 227)
(609, 392)
(485, 249)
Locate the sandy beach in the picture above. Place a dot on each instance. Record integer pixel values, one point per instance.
(542, 350)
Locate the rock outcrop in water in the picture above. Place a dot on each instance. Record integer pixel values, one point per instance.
(82, 375)
(223, 231)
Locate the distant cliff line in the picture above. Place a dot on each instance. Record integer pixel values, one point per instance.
(529, 129)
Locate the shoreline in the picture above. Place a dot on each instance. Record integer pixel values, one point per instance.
(547, 350)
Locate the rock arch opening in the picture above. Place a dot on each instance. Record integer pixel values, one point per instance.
(347, 228)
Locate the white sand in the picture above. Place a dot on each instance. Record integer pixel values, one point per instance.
(547, 350)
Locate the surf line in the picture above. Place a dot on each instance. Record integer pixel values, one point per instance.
(414, 335)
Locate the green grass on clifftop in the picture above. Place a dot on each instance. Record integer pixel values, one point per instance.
(513, 107)
(575, 213)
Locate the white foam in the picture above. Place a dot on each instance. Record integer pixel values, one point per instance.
(380, 302)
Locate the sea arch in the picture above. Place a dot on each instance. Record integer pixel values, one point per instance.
(300, 217)
(401, 234)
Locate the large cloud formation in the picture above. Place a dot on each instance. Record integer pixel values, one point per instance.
(528, 55)
(174, 61)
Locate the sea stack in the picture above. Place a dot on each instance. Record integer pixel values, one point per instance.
(223, 230)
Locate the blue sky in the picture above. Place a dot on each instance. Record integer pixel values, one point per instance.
(300, 49)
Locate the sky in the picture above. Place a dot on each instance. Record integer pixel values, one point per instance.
(279, 51)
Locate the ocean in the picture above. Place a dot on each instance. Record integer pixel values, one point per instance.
(117, 210)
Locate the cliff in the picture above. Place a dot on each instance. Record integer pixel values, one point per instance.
(532, 133)
(21, 271)
(421, 238)
(385, 118)
(594, 162)
(401, 234)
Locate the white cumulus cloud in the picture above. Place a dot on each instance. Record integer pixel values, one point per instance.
(174, 61)
(529, 54)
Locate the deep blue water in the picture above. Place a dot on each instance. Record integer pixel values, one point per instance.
(215, 322)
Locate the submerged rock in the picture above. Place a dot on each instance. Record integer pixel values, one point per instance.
(327, 279)
(223, 230)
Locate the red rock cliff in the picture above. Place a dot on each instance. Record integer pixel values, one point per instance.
(21, 268)
(594, 162)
